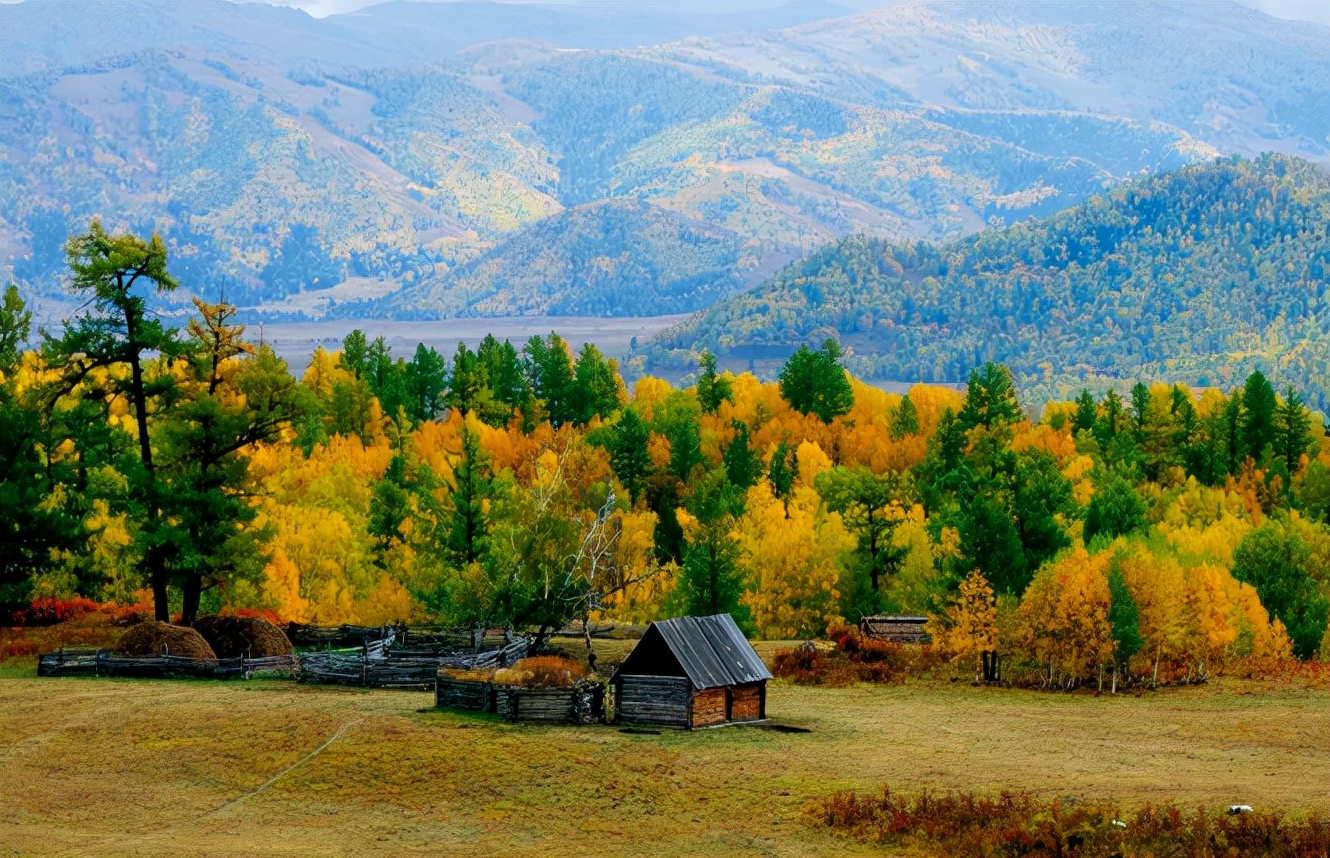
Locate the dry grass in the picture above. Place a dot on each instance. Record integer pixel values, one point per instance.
(132, 766)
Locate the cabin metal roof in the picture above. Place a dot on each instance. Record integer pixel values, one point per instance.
(712, 651)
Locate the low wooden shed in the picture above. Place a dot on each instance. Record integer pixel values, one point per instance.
(692, 672)
(897, 629)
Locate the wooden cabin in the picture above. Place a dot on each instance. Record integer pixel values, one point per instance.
(692, 672)
(896, 629)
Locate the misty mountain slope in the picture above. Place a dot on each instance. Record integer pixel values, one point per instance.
(1229, 75)
(1197, 275)
(281, 155)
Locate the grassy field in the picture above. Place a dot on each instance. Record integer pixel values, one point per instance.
(98, 766)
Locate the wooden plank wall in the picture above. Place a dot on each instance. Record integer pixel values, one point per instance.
(746, 702)
(709, 707)
(654, 700)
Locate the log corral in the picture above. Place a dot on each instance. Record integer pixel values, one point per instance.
(583, 703)
(692, 672)
(466, 694)
(580, 703)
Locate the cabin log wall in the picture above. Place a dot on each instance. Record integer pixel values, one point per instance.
(654, 700)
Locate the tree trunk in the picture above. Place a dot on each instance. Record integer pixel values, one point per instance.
(540, 637)
(160, 609)
(1115, 679)
(154, 560)
(193, 591)
(872, 553)
(586, 636)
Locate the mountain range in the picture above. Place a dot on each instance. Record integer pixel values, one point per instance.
(1201, 275)
(423, 160)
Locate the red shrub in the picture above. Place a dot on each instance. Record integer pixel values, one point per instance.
(48, 612)
(255, 613)
(856, 658)
(804, 665)
(808, 666)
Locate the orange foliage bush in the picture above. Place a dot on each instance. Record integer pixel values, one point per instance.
(541, 671)
(809, 666)
(18, 646)
(856, 658)
(1314, 673)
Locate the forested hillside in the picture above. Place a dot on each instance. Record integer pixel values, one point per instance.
(1197, 276)
(405, 146)
(617, 257)
(1165, 536)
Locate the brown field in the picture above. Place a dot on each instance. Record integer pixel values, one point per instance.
(100, 766)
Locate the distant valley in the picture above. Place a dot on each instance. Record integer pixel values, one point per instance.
(400, 162)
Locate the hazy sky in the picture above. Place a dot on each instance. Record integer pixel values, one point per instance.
(1306, 10)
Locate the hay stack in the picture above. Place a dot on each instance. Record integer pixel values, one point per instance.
(243, 637)
(149, 639)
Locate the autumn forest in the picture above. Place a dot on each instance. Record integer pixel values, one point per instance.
(1163, 531)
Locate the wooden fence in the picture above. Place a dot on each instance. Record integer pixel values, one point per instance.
(427, 639)
(100, 662)
(326, 637)
(389, 668)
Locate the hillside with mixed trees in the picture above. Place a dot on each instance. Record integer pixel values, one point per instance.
(1165, 536)
(405, 147)
(617, 257)
(1198, 276)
